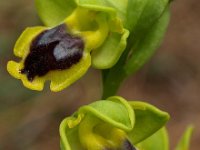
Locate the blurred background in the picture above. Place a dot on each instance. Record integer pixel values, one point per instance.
(30, 120)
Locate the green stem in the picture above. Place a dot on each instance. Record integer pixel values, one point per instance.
(112, 82)
(112, 78)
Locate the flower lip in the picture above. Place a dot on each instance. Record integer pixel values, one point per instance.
(127, 145)
(54, 49)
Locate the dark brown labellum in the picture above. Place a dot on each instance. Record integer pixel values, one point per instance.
(127, 145)
(53, 49)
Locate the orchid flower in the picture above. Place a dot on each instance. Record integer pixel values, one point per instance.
(79, 34)
(112, 124)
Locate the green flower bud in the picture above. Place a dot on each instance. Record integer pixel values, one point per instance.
(112, 124)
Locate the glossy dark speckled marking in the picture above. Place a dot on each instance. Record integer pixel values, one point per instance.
(53, 49)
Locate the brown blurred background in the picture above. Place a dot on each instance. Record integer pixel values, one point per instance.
(30, 120)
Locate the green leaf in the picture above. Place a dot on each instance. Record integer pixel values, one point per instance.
(53, 12)
(134, 12)
(158, 141)
(148, 119)
(145, 47)
(184, 142)
(142, 14)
